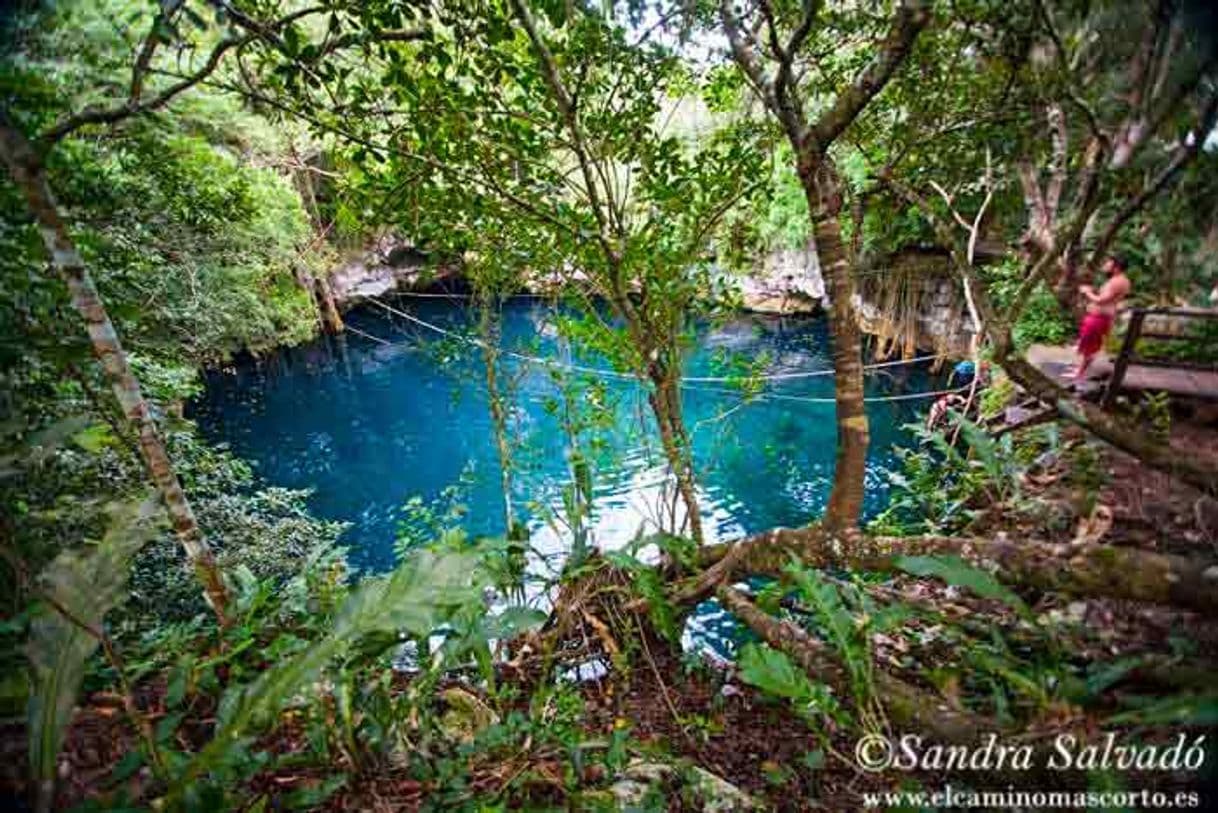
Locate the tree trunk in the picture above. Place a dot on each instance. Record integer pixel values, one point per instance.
(665, 400)
(1065, 289)
(490, 330)
(488, 327)
(579, 507)
(331, 319)
(28, 175)
(822, 191)
(1167, 275)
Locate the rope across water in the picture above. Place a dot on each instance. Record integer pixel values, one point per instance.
(685, 381)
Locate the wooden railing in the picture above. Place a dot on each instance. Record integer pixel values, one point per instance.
(1134, 332)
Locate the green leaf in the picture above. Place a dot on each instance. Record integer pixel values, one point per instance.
(1188, 709)
(168, 725)
(56, 435)
(86, 583)
(131, 762)
(1105, 675)
(773, 672)
(814, 760)
(179, 677)
(956, 571)
(423, 593)
(94, 439)
(513, 621)
(307, 798)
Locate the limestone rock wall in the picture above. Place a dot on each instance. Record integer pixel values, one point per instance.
(910, 300)
(388, 264)
(787, 281)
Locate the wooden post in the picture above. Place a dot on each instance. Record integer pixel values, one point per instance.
(1122, 363)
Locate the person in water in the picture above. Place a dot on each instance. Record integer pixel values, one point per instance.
(1101, 312)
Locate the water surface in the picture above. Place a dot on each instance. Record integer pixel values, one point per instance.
(369, 421)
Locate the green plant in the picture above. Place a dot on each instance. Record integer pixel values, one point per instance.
(845, 617)
(940, 484)
(1042, 320)
(774, 673)
(1155, 410)
(956, 571)
(423, 521)
(1087, 475)
(77, 589)
(1199, 344)
(421, 594)
(995, 397)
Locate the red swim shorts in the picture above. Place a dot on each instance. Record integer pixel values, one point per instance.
(1092, 331)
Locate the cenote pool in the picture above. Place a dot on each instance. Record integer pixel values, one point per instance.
(367, 422)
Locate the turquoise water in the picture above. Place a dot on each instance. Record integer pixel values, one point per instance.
(368, 425)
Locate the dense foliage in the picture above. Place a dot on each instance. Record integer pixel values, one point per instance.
(196, 240)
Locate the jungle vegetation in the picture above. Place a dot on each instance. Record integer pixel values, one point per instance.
(180, 179)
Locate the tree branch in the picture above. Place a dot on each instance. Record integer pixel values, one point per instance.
(1087, 571)
(1185, 153)
(908, 706)
(144, 58)
(746, 58)
(134, 106)
(566, 107)
(911, 17)
(1058, 164)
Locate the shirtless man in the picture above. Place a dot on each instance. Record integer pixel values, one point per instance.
(1101, 311)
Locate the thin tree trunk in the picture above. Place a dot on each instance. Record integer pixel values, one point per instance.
(488, 326)
(28, 175)
(817, 175)
(1065, 290)
(322, 293)
(665, 400)
(1167, 276)
(331, 319)
(688, 482)
(579, 507)
(849, 475)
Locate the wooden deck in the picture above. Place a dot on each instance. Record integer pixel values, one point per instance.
(1056, 362)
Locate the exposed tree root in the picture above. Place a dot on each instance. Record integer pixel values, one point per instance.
(1091, 570)
(595, 618)
(908, 706)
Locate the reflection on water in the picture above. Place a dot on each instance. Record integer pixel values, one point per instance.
(367, 425)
